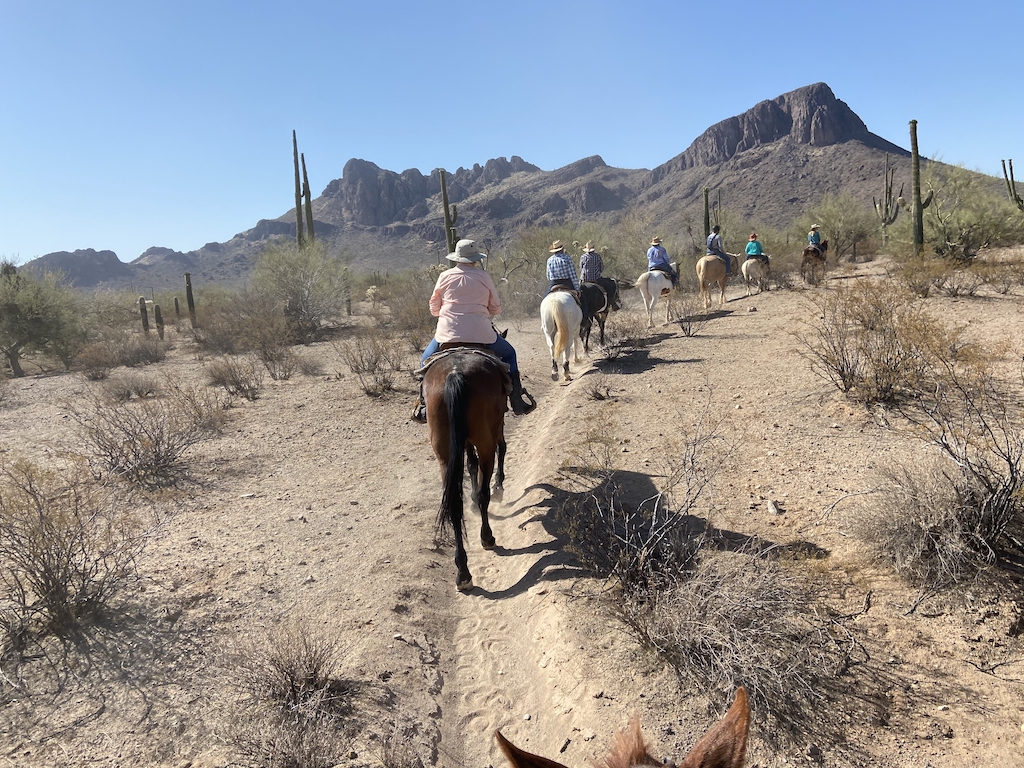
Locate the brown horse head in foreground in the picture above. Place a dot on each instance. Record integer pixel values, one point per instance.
(723, 746)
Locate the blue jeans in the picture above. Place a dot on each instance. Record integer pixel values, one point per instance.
(500, 347)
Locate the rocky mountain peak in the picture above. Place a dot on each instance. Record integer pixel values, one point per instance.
(809, 115)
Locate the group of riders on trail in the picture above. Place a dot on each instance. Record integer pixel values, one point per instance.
(464, 299)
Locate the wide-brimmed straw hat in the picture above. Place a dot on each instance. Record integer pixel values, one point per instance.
(556, 246)
(655, 241)
(815, 226)
(589, 247)
(466, 252)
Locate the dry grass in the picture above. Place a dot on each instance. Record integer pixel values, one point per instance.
(375, 358)
(239, 376)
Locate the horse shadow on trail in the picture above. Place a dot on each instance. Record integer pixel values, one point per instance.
(584, 525)
(637, 361)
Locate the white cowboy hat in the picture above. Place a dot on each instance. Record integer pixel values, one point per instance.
(589, 247)
(655, 241)
(556, 246)
(466, 252)
(816, 226)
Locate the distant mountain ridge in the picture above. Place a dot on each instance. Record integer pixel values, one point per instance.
(768, 163)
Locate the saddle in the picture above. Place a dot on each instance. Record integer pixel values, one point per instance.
(604, 293)
(572, 292)
(450, 348)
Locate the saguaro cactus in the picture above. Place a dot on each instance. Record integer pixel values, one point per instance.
(159, 321)
(917, 211)
(189, 300)
(707, 214)
(450, 217)
(145, 314)
(298, 191)
(888, 208)
(309, 202)
(1011, 185)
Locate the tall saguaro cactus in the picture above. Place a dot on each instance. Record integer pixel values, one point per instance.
(1011, 185)
(309, 202)
(298, 192)
(888, 208)
(917, 211)
(707, 214)
(450, 217)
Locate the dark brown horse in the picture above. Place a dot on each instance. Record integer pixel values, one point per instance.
(465, 394)
(723, 746)
(812, 263)
(601, 298)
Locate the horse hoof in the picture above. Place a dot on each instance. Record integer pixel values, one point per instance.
(487, 545)
(465, 586)
(498, 495)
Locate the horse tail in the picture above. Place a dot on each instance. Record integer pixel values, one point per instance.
(456, 399)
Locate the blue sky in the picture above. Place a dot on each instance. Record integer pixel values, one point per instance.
(125, 125)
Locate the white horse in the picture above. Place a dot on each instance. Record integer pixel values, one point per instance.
(560, 319)
(653, 284)
(756, 271)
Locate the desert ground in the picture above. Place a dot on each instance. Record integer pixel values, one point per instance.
(316, 507)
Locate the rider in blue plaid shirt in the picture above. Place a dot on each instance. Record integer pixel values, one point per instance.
(561, 270)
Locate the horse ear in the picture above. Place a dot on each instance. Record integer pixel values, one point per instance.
(522, 759)
(504, 334)
(725, 743)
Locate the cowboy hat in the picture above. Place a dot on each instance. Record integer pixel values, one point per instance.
(816, 226)
(466, 252)
(589, 247)
(655, 241)
(753, 235)
(556, 246)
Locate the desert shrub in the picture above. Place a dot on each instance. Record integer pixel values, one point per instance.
(290, 707)
(375, 359)
(238, 375)
(309, 366)
(97, 360)
(872, 341)
(133, 350)
(407, 297)
(690, 314)
(1003, 277)
(309, 283)
(625, 332)
(281, 363)
(144, 441)
(67, 547)
(960, 282)
(123, 388)
(5, 387)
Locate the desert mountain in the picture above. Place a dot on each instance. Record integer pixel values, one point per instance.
(768, 164)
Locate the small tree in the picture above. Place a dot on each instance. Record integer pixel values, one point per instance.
(844, 220)
(966, 215)
(35, 311)
(308, 282)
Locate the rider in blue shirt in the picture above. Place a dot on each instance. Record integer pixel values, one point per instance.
(814, 237)
(657, 259)
(715, 248)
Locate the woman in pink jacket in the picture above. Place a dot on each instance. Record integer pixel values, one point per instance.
(463, 301)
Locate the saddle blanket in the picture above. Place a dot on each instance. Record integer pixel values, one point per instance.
(461, 350)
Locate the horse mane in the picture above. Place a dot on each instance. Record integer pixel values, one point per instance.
(628, 749)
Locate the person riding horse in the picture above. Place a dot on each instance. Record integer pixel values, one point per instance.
(463, 301)
(715, 248)
(561, 274)
(755, 250)
(657, 260)
(814, 239)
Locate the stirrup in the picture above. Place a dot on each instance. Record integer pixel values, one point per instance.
(524, 404)
(419, 413)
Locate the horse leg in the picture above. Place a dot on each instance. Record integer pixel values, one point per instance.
(600, 324)
(565, 367)
(498, 490)
(473, 468)
(721, 284)
(483, 499)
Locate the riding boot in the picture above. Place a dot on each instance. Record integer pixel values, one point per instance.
(521, 400)
(419, 413)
